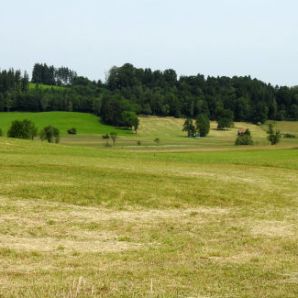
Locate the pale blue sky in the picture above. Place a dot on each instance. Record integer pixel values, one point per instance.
(212, 37)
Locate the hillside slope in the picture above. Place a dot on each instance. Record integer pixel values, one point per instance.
(85, 123)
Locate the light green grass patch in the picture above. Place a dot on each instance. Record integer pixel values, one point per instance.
(86, 124)
(45, 87)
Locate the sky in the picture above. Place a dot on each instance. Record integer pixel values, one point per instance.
(212, 37)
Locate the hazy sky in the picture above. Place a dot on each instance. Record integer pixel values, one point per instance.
(212, 37)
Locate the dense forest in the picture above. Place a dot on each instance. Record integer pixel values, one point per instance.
(129, 91)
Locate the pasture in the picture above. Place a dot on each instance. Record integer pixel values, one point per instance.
(184, 218)
(87, 124)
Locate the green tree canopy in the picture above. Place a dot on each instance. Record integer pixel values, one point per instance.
(189, 127)
(274, 135)
(130, 119)
(203, 125)
(244, 138)
(224, 119)
(51, 134)
(25, 129)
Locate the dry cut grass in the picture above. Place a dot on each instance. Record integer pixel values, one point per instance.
(83, 222)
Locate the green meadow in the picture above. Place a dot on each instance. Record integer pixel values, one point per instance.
(86, 124)
(178, 218)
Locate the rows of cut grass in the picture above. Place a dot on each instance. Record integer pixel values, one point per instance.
(116, 223)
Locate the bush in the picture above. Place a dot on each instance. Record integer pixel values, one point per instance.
(157, 141)
(107, 138)
(189, 127)
(203, 125)
(289, 136)
(25, 129)
(244, 138)
(51, 134)
(72, 131)
(274, 135)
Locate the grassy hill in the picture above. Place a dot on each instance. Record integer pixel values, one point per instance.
(85, 123)
(167, 129)
(169, 132)
(290, 127)
(86, 222)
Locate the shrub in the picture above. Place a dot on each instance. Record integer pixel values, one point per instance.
(244, 138)
(157, 141)
(72, 131)
(107, 138)
(189, 127)
(289, 136)
(203, 125)
(139, 143)
(25, 129)
(274, 135)
(51, 134)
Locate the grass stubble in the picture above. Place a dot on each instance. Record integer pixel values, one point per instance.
(89, 222)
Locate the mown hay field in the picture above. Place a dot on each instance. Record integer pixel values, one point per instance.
(79, 221)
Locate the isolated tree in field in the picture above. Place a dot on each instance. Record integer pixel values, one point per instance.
(225, 119)
(130, 119)
(22, 130)
(51, 134)
(189, 127)
(113, 136)
(203, 125)
(244, 138)
(274, 135)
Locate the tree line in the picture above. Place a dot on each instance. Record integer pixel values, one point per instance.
(130, 91)
(50, 75)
